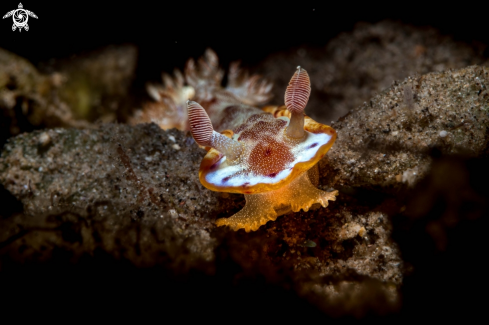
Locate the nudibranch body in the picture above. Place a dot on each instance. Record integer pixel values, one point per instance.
(268, 155)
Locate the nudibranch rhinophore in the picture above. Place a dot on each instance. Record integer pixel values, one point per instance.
(271, 157)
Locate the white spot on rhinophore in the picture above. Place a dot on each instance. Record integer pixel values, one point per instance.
(443, 133)
(172, 138)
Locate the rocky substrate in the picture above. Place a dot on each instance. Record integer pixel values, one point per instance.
(118, 208)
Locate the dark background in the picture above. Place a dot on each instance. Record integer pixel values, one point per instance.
(167, 33)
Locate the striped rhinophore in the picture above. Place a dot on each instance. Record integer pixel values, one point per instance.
(298, 91)
(200, 123)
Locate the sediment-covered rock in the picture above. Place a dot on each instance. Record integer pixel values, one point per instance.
(133, 193)
(386, 143)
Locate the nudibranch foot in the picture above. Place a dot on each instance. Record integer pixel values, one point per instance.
(257, 212)
(305, 195)
(263, 207)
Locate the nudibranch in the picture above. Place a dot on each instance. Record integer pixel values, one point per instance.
(270, 156)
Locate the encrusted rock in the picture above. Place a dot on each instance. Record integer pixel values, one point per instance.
(386, 143)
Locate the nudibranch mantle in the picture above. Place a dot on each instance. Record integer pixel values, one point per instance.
(279, 159)
(270, 158)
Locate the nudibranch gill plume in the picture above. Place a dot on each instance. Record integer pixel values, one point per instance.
(270, 156)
